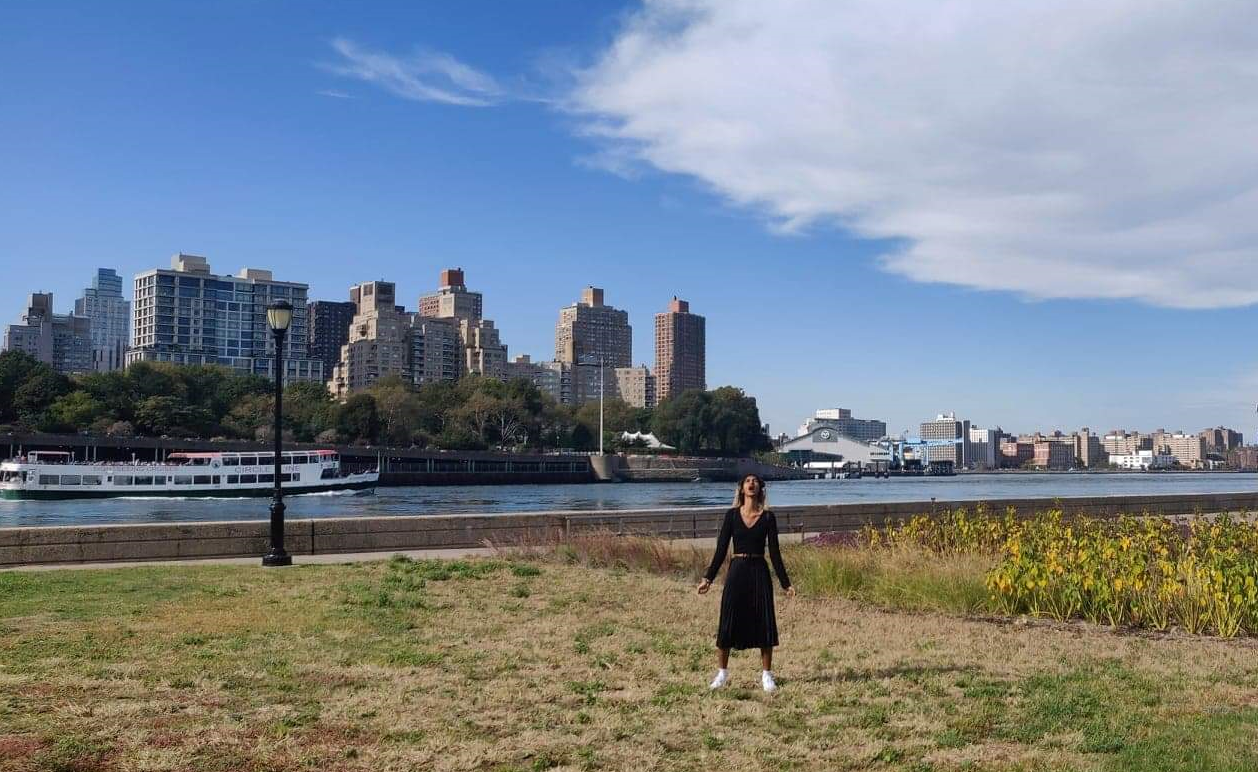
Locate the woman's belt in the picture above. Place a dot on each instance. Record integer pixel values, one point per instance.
(746, 555)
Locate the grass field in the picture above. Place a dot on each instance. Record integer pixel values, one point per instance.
(508, 664)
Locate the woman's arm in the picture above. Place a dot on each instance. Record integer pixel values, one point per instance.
(722, 546)
(775, 552)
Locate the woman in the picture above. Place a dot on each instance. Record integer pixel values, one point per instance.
(747, 619)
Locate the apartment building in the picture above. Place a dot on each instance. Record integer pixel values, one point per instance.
(188, 315)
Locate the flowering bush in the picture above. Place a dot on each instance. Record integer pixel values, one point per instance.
(1141, 572)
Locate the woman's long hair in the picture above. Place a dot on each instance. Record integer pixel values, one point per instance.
(762, 498)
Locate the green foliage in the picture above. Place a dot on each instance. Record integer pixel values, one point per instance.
(725, 422)
(15, 368)
(35, 396)
(473, 413)
(78, 408)
(359, 418)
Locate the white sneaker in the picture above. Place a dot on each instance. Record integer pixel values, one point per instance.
(766, 680)
(722, 676)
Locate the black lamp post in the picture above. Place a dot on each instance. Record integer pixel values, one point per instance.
(278, 316)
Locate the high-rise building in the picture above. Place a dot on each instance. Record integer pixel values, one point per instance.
(436, 351)
(329, 322)
(593, 332)
(188, 315)
(1243, 457)
(680, 351)
(1016, 452)
(379, 340)
(63, 341)
(553, 378)
(635, 386)
(947, 427)
(1221, 440)
(841, 421)
(484, 353)
(1054, 452)
(985, 448)
(1189, 450)
(1089, 450)
(576, 384)
(452, 300)
(110, 315)
(1122, 443)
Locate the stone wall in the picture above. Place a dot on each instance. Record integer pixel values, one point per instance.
(191, 541)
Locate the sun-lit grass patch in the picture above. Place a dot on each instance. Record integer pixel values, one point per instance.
(408, 664)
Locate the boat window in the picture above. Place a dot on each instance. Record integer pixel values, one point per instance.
(217, 479)
(328, 474)
(231, 461)
(48, 479)
(266, 460)
(122, 479)
(200, 462)
(143, 480)
(233, 479)
(248, 478)
(183, 479)
(202, 479)
(71, 479)
(248, 460)
(266, 478)
(91, 479)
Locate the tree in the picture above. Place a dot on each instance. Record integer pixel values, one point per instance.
(735, 428)
(149, 379)
(358, 418)
(399, 409)
(113, 390)
(308, 410)
(41, 388)
(159, 415)
(617, 416)
(684, 421)
(251, 418)
(75, 411)
(15, 368)
(583, 438)
(725, 420)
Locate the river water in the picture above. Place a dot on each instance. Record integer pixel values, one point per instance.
(488, 499)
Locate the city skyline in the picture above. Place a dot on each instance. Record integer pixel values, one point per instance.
(294, 155)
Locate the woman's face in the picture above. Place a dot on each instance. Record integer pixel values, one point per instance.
(751, 487)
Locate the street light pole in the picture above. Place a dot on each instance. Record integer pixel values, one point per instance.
(601, 370)
(278, 317)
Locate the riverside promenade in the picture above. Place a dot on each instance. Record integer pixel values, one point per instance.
(67, 545)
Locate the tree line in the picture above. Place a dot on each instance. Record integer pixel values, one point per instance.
(474, 413)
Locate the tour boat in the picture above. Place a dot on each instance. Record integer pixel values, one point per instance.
(56, 475)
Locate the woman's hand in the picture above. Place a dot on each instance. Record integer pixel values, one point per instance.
(703, 586)
(790, 591)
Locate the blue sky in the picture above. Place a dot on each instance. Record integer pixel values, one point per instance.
(862, 243)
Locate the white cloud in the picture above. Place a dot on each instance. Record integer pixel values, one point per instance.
(336, 94)
(425, 76)
(1075, 148)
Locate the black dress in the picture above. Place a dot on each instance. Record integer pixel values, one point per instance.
(747, 618)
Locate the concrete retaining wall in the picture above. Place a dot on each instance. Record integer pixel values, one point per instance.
(190, 541)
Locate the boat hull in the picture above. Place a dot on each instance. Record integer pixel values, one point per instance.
(192, 493)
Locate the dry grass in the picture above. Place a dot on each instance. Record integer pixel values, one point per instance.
(509, 665)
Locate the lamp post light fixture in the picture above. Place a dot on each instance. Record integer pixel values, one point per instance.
(279, 316)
